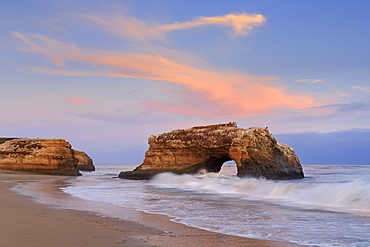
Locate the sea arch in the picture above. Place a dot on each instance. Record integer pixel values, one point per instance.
(254, 150)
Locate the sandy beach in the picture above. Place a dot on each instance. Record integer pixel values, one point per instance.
(25, 222)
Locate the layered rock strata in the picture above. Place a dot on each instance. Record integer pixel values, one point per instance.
(254, 150)
(49, 156)
(85, 163)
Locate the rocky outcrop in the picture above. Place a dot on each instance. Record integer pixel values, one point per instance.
(4, 139)
(49, 156)
(85, 163)
(254, 150)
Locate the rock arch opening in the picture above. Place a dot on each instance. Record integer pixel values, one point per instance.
(229, 168)
(214, 163)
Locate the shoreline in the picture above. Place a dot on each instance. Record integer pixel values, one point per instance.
(26, 222)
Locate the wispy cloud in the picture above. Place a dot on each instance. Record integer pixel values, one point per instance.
(362, 88)
(313, 81)
(239, 95)
(54, 24)
(242, 23)
(133, 28)
(77, 100)
(51, 48)
(335, 117)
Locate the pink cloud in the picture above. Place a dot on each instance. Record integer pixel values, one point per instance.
(313, 81)
(129, 27)
(51, 48)
(225, 94)
(77, 100)
(238, 95)
(241, 95)
(362, 88)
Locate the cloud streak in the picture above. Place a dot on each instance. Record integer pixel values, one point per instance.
(242, 23)
(74, 100)
(313, 81)
(362, 88)
(129, 27)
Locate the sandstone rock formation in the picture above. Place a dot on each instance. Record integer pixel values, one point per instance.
(254, 150)
(2, 140)
(85, 163)
(49, 156)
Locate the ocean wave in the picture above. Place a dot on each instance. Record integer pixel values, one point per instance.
(349, 196)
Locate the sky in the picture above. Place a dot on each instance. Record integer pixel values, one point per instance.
(105, 75)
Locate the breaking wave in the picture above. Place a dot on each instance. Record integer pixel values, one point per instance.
(348, 196)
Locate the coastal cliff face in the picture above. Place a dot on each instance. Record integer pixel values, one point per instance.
(85, 163)
(49, 156)
(254, 150)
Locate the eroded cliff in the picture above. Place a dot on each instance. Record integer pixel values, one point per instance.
(49, 156)
(85, 163)
(254, 150)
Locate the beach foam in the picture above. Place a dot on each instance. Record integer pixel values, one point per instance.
(328, 208)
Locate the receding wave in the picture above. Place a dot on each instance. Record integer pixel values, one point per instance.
(349, 196)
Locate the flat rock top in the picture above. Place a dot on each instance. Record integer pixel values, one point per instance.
(28, 146)
(205, 136)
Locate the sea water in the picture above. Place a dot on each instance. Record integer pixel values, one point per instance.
(329, 207)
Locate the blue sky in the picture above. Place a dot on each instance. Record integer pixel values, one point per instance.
(107, 74)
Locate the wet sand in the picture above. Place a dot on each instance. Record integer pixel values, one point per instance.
(25, 222)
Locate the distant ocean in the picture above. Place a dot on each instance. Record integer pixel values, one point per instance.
(329, 207)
